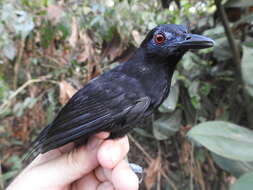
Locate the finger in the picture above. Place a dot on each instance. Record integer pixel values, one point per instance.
(87, 182)
(105, 186)
(65, 169)
(112, 151)
(42, 158)
(61, 150)
(103, 135)
(52, 154)
(103, 174)
(124, 178)
(121, 176)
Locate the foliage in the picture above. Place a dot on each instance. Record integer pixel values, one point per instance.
(49, 49)
(221, 137)
(245, 182)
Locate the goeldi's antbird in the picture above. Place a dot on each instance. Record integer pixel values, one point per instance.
(125, 96)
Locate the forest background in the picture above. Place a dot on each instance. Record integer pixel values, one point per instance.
(201, 136)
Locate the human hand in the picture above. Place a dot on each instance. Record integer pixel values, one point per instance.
(99, 165)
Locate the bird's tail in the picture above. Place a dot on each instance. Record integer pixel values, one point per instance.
(35, 147)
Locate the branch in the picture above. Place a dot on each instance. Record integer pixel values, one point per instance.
(1, 177)
(149, 158)
(234, 48)
(236, 58)
(20, 89)
(17, 63)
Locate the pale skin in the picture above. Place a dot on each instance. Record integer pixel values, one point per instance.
(99, 165)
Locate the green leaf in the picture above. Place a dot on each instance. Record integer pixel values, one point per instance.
(52, 105)
(17, 19)
(29, 102)
(247, 68)
(64, 29)
(4, 90)
(245, 19)
(216, 32)
(193, 90)
(167, 125)
(10, 50)
(244, 183)
(225, 139)
(47, 35)
(205, 89)
(143, 133)
(222, 49)
(170, 103)
(191, 61)
(15, 161)
(239, 4)
(8, 175)
(20, 107)
(235, 167)
(248, 43)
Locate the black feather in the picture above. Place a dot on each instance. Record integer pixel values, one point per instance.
(124, 97)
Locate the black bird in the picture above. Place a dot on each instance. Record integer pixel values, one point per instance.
(124, 97)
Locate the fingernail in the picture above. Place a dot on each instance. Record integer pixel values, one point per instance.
(115, 154)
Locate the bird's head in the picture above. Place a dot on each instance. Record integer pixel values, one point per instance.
(168, 40)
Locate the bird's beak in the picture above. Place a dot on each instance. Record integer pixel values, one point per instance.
(194, 41)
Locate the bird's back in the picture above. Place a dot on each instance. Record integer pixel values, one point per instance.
(112, 102)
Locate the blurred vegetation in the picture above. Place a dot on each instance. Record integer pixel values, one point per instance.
(49, 49)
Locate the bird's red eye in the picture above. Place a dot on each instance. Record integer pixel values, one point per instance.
(159, 38)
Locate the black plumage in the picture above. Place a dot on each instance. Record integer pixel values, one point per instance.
(124, 97)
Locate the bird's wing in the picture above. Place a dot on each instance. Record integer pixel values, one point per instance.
(91, 110)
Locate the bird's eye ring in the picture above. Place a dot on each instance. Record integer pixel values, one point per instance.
(159, 38)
